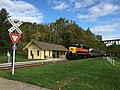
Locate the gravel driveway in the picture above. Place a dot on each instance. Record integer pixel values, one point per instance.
(6, 84)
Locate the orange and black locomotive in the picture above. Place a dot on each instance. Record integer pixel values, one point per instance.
(77, 51)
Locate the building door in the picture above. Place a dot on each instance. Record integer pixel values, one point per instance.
(53, 54)
(32, 55)
(57, 54)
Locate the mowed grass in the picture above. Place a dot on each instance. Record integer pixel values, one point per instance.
(93, 74)
(3, 59)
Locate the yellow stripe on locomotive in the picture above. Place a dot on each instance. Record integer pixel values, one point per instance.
(72, 49)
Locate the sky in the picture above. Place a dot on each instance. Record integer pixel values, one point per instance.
(101, 16)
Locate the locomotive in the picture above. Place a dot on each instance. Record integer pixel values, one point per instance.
(79, 51)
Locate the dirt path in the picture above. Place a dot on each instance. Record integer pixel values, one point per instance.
(6, 84)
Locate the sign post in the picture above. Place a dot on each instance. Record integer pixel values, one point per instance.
(13, 61)
(14, 37)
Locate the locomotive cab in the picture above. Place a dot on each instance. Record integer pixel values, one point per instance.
(71, 54)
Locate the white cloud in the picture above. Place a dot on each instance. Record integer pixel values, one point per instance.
(111, 37)
(97, 11)
(111, 27)
(103, 29)
(103, 9)
(84, 3)
(86, 17)
(22, 11)
(60, 5)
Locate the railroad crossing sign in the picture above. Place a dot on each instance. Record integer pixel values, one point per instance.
(15, 26)
(14, 37)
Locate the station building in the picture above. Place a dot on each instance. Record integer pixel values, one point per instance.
(43, 50)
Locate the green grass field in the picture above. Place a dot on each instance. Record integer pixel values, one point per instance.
(3, 59)
(94, 74)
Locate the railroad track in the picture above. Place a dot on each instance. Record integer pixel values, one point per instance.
(8, 66)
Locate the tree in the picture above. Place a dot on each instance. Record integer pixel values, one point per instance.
(98, 37)
(114, 49)
(4, 35)
(4, 15)
(89, 37)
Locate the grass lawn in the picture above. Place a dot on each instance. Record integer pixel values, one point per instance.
(94, 74)
(3, 59)
(117, 60)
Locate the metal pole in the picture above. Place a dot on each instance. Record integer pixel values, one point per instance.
(13, 61)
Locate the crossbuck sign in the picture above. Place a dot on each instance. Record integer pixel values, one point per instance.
(15, 26)
(14, 37)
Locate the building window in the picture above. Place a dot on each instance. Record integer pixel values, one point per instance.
(37, 52)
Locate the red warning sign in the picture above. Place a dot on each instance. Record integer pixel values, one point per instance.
(14, 37)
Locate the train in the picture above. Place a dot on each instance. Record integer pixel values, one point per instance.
(80, 51)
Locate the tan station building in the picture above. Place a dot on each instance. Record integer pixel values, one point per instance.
(43, 50)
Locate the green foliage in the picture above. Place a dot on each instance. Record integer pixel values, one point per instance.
(114, 49)
(3, 15)
(5, 43)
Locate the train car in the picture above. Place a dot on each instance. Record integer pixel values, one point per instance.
(77, 51)
(96, 53)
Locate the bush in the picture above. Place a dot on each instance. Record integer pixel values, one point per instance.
(22, 53)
